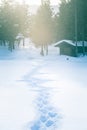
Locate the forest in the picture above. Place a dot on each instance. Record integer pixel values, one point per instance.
(45, 27)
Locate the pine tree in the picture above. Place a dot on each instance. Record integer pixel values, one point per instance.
(41, 28)
(14, 19)
(22, 19)
(7, 31)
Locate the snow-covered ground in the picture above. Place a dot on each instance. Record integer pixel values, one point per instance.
(42, 93)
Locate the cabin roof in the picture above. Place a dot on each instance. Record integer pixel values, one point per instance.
(79, 43)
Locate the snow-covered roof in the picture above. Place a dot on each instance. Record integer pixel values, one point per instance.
(79, 43)
(19, 36)
(67, 41)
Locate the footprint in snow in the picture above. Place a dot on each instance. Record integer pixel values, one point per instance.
(48, 117)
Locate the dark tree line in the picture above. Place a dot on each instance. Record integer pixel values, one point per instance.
(72, 12)
(44, 27)
(72, 21)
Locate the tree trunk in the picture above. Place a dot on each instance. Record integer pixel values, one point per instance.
(42, 50)
(46, 49)
(83, 47)
(13, 45)
(23, 42)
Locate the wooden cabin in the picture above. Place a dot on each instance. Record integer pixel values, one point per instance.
(68, 47)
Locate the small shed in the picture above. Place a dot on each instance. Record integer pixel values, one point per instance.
(68, 47)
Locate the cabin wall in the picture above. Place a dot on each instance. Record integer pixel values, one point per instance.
(67, 50)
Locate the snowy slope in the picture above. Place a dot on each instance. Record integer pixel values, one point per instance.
(42, 93)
